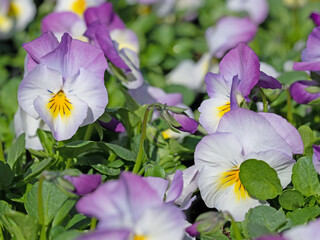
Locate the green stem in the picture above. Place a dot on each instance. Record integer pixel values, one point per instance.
(93, 223)
(1, 234)
(237, 232)
(1, 153)
(264, 100)
(40, 210)
(69, 163)
(117, 74)
(88, 132)
(140, 155)
(289, 107)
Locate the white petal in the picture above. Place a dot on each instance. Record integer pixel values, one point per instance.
(211, 111)
(62, 127)
(88, 87)
(40, 81)
(221, 151)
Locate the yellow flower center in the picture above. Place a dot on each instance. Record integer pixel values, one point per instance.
(5, 23)
(166, 133)
(79, 6)
(14, 10)
(223, 109)
(231, 177)
(60, 105)
(139, 237)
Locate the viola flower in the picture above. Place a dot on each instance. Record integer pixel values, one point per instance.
(15, 15)
(315, 16)
(239, 73)
(316, 158)
(311, 54)
(257, 9)
(64, 22)
(76, 6)
(130, 206)
(120, 45)
(23, 123)
(242, 135)
(228, 33)
(113, 125)
(299, 91)
(64, 84)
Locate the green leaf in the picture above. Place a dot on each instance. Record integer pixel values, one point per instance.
(216, 236)
(73, 149)
(312, 89)
(259, 179)
(63, 212)
(305, 178)
(36, 169)
(47, 142)
(303, 215)
(21, 226)
(155, 171)
(99, 129)
(119, 151)
(263, 220)
(306, 135)
(291, 199)
(106, 170)
(53, 199)
(16, 149)
(291, 77)
(6, 175)
(4, 207)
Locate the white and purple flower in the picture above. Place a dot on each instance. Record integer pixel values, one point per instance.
(129, 208)
(242, 135)
(239, 73)
(64, 83)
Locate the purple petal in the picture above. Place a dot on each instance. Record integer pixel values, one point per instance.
(311, 55)
(104, 14)
(316, 158)
(288, 132)
(73, 54)
(59, 22)
(160, 185)
(187, 124)
(175, 188)
(299, 93)
(241, 61)
(113, 125)
(130, 194)
(315, 16)
(84, 183)
(101, 35)
(192, 230)
(267, 81)
(217, 86)
(234, 92)
(40, 47)
(190, 185)
(106, 234)
(228, 33)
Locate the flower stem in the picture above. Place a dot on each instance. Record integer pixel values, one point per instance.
(264, 100)
(1, 153)
(140, 155)
(88, 132)
(289, 107)
(40, 210)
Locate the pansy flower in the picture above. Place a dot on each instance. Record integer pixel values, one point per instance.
(64, 84)
(64, 22)
(15, 15)
(243, 135)
(239, 73)
(129, 208)
(76, 6)
(257, 9)
(228, 33)
(120, 45)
